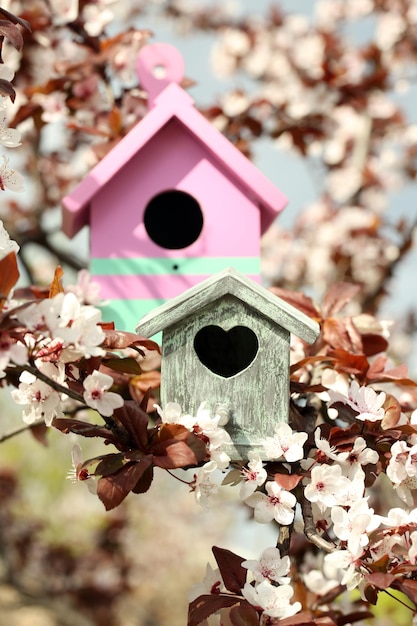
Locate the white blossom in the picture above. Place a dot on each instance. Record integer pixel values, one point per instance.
(9, 178)
(77, 473)
(205, 486)
(7, 245)
(86, 290)
(328, 486)
(285, 443)
(9, 137)
(40, 400)
(97, 395)
(364, 400)
(254, 475)
(316, 582)
(353, 525)
(278, 504)
(359, 455)
(271, 566)
(346, 561)
(274, 601)
(397, 468)
(64, 318)
(11, 352)
(412, 551)
(212, 582)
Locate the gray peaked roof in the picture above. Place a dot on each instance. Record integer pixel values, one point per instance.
(229, 281)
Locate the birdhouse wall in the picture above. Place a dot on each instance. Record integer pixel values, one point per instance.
(264, 382)
(129, 265)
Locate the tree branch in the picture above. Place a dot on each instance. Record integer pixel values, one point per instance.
(52, 383)
(20, 429)
(310, 529)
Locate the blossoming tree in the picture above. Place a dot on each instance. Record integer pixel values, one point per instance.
(340, 480)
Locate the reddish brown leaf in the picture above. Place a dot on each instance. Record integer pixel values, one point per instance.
(198, 448)
(339, 334)
(135, 422)
(127, 366)
(380, 580)
(39, 432)
(231, 570)
(202, 607)
(54, 84)
(107, 325)
(56, 285)
(12, 33)
(392, 410)
(146, 381)
(9, 274)
(350, 363)
(144, 481)
(377, 372)
(173, 455)
(320, 358)
(118, 339)
(115, 121)
(172, 432)
(7, 89)
(244, 615)
(68, 425)
(337, 297)
(26, 111)
(110, 464)
(300, 619)
(373, 344)
(287, 481)
(114, 488)
(407, 586)
(298, 300)
(356, 616)
(15, 19)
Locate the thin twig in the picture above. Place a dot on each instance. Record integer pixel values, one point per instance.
(52, 383)
(283, 541)
(310, 529)
(20, 429)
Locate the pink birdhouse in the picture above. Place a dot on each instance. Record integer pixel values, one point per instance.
(171, 204)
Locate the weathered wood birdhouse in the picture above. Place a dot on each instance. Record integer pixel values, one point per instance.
(172, 203)
(227, 341)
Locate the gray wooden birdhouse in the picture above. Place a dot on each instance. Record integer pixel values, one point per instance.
(227, 341)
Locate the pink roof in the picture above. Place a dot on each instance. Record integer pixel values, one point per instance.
(173, 103)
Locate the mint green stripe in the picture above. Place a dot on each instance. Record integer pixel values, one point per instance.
(126, 314)
(181, 266)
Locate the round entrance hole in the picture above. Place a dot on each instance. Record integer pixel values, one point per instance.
(173, 219)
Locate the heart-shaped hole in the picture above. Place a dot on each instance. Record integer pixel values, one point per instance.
(226, 353)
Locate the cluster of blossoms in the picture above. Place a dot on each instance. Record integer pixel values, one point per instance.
(266, 588)
(45, 339)
(211, 430)
(323, 490)
(9, 138)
